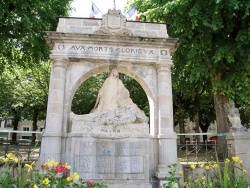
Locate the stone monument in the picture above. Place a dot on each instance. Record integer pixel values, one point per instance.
(238, 138)
(234, 118)
(115, 143)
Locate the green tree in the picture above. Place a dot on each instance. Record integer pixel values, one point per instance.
(37, 83)
(23, 26)
(22, 29)
(214, 38)
(25, 95)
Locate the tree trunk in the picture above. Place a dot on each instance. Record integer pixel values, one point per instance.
(196, 114)
(15, 126)
(34, 124)
(181, 121)
(220, 102)
(204, 128)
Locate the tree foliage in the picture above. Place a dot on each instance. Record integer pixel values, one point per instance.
(214, 47)
(22, 29)
(25, 93)
(24, 55)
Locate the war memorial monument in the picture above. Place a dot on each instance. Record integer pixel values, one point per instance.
(115, 143)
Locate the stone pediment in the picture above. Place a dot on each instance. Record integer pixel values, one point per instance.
(114, 23)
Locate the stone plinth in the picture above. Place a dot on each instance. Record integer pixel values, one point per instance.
(239, 146)
(113, 161)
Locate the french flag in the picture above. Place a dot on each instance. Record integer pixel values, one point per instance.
(94, 11)
(133, 13)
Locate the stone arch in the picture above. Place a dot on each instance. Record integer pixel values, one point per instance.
(105, 68)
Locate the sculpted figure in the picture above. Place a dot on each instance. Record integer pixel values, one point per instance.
(234, 118)
(113, 105)
(112, 95)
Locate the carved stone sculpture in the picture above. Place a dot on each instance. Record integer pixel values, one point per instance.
(114, 109)
(112, 95)
(114, 23)
(234, 118)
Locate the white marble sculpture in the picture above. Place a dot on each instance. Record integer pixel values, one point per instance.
(234, 118)
(114, 108)
(112, 95)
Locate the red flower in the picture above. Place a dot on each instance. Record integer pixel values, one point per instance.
(90, 184)
(60, 168)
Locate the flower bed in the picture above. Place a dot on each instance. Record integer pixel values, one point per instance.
(14, 173)
(229, 174)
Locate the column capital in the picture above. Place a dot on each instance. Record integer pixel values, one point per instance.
(163, 67)
(60, 62)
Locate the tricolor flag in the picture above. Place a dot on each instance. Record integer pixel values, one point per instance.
(94, 11)
(133, 13)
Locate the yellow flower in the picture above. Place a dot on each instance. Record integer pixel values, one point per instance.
(201, 165)
(236, 159)
(227, 161)
(180, 172)
(185, 184)
(196, 180)
(35, 186)
(203, 178)
(29, 181)
(45, 181)
(215, 165)
(29, 167)
(51, 163)
(69, 179)
(10, 155)
(241, 162)
(15, 159)
(75, 176)
(5, 160)
(193, 166)
(244, 171)
(67, 166)
(207, 167)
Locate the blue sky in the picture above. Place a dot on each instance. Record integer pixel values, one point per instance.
(83, 7)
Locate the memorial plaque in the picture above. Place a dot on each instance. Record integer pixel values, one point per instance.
(103, 164)
(111, 159)
(136, 164)
(85, 148)
(122, 148)
(122, 165)
(105, 148)
(136, 148)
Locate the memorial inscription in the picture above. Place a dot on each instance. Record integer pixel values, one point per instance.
(112, 160)
(111, 49)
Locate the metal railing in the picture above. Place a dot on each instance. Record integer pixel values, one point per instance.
(198, 150)
(24, 148)
(191, 150)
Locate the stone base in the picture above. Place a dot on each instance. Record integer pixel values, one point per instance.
(239, 146)
(124, 161)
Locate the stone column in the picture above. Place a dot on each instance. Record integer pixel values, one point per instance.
(166, 136)
(51, 138)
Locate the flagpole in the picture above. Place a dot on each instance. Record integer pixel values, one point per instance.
(114, 5)
(97, 7)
